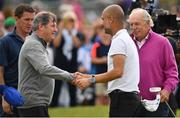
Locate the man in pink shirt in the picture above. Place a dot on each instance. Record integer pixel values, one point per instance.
(157, 61)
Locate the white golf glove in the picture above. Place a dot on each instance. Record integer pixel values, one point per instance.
(151, 105)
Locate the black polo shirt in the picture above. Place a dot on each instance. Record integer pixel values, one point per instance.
(10, 46)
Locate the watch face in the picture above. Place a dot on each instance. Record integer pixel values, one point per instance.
(93, 79)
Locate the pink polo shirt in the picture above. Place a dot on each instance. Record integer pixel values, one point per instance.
(157, 65)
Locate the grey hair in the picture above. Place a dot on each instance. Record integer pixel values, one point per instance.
(147, 16)
(43, 18)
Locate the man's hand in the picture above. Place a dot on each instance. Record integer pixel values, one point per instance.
(79, 75)
(164, 95)
(82, 80)
(74, 79)
(6, 107)
(83, 83)
(76, 75)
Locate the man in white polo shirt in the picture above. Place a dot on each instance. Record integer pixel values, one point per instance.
(123, 67)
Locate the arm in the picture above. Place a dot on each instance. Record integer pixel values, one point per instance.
(95, 59)
(99, 60)
(2, 75)
(76, 41)
(3, 61)
(37, 57)
(57, 40)
(116, 72)
(170, 71)
(81, 61)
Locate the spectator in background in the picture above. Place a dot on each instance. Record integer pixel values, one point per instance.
(178, 59)
(38, 6)
(9, 24)
(2, 30)
(63, 8)
(2, 4)
(2, 33)
(172, 99)
(8, 11)
(84, 57)
(66, 46)
(77, 8)
(97, 27)
(125, 4)
(178, 13)
(99, 60)
(10, 46)
(157, 62)
(87, 96)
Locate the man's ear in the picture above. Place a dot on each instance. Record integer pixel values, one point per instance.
(16, 18)
(111, 19)
(40, 26)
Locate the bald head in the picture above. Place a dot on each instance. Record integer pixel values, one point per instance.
(113, 19)
(114, 11)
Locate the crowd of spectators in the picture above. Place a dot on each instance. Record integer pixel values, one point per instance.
(80, 45)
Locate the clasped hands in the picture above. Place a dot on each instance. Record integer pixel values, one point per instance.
(81, 80)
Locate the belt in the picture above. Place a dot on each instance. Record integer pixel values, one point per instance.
(116, 91)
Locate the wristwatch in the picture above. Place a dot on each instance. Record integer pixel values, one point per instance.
(92, 79)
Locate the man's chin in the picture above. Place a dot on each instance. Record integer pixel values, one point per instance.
(27, 32)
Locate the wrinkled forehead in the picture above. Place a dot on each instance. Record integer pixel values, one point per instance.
(27, 15)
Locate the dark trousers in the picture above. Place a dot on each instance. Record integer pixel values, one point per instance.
(173, 104)
(162, 111)
(1, 109)
(39, 111)
(15, 113)
(124, 104)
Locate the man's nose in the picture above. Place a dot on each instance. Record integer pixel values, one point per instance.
(30, 22)
(132, 27)
(56, 29)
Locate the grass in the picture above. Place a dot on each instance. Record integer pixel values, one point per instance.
(83, 111)
(178, 113)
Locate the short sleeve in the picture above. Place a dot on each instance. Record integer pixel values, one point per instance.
(118, 46)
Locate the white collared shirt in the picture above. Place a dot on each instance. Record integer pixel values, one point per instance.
(141, 43)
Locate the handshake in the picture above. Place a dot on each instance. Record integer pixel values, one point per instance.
(83, 80)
